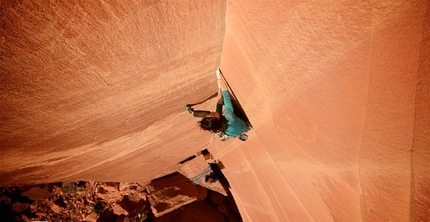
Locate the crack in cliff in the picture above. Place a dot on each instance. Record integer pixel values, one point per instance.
(362, 196)
(423, 56)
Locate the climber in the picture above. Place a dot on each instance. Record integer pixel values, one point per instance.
(227, 125)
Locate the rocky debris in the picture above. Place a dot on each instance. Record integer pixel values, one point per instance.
(204, 210)
(170, 192)
(172, 197)
(75, 201)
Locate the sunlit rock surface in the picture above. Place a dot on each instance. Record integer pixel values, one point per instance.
(339, 95)
(96, 90)
(337, 92)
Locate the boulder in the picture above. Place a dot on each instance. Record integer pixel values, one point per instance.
(92, 217)
(36, 193)
(133, 203)
(55, 208)
(109, 193)
(118, 210)
(19, 207)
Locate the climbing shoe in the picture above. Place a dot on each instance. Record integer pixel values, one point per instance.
(243, 137)
(189, 109)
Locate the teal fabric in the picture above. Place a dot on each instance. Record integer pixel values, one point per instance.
(219, 108)
(236, 126)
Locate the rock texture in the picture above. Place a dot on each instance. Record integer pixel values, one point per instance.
(171, 192)
(96, 90)
(75, 201)
(337, 92)
(125, 202)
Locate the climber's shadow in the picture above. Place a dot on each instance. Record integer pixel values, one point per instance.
(217, 169)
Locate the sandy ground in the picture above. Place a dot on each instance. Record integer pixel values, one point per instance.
(337, 93)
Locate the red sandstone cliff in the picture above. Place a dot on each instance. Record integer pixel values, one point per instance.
(337, 92)
(97, 90)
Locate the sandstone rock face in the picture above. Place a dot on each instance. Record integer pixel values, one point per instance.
(338, 94)
(96, 90)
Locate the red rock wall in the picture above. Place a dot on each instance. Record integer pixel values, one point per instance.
(96, 90)
(420, 152)
(338, 94)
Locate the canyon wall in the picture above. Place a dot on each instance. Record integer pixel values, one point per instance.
(96, 90)
(338, 94)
